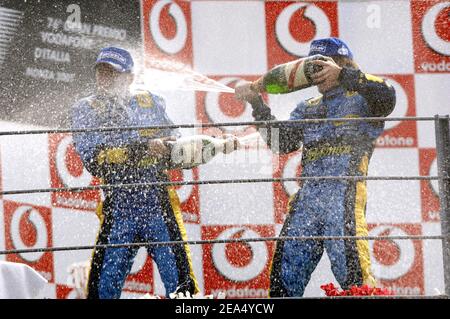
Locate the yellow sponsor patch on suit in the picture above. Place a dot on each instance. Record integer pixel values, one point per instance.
(148, 161)
(348, 116)
(144, 100)
(117, 155)
(148, 132)
(315, 153)
(314, 100)
(350, 93)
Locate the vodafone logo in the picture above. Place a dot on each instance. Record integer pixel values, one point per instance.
(240, 262)
(73, 294)
(184, 191)
(392, 259)
(431, 27)
(168, 26)
(223, 107)
(434, 172)
(28, 231)
(285, 26)
(291, 169)
(140, 274)
(69, 167)
(139, 261)
(429, 189)
(401, 104)
(67, 170)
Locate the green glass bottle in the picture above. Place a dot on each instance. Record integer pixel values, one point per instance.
(289, 77)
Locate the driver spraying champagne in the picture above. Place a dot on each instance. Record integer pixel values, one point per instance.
(333, 207)
(135, 213)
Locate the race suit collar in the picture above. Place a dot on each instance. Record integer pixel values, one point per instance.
(114, 99)
(333, 92)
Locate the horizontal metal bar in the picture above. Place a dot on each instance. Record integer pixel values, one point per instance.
(206, 125)
(214, 182)
(217, 241)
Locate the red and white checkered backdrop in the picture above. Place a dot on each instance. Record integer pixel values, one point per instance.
(406, 42)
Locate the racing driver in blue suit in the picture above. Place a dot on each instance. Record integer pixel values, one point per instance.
(130, 214)
(328, 207)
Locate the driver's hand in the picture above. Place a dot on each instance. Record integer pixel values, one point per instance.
(244, 92)
(231, 143)
(327, 78)
(158, 147)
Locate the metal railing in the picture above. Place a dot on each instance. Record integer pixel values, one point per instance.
(442, 124)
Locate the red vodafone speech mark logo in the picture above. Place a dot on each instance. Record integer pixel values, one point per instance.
(29, 227)
(292, 26)
(67, 170)
(66, 292)
(289, 167)
(431, 22)
(167, 30)
(429, 190)
(241, 270)
(398, 264)
(188, 194)
(398, 133)
(218, 107)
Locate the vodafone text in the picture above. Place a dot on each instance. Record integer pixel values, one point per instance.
(442, 66)
(226, 308)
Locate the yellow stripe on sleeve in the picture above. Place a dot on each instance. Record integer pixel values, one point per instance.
(373, 78)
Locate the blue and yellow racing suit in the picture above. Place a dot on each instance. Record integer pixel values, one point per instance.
(137, 214)
(329, 207)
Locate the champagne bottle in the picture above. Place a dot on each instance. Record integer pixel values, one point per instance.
(191, 151)
(289, 77)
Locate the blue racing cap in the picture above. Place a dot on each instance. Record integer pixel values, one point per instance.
(118, 58)
(330, 47)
